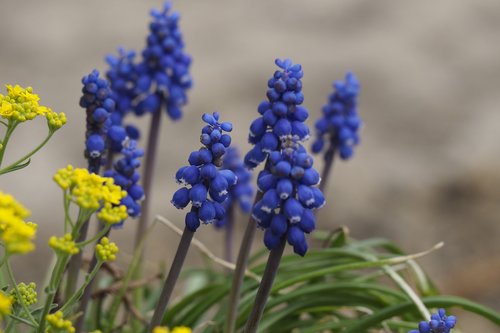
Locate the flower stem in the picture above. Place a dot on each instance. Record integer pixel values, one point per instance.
(10, 128)
(131, 271)
(239, 272)
(87, 288)
(88, 280)
(79, 233)
(55, 280)
(272, 265)
(327, 168)
(12, 280)
(229, 235)
(172, 277)
(147, 176)
(27, 156)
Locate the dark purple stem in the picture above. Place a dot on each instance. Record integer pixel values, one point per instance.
(239, 272)
(172, 277)
(266, 284)
(147, 176)
(327, 169)
(229, 235)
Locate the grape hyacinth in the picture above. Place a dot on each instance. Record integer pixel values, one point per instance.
(206, 184)
(206, 187)
(439, 323)
(282, 117)
(340, 122)
(122, 74)
(286, 208)
(164, 66)
(125, 174)
(241, 193)
(99, 105)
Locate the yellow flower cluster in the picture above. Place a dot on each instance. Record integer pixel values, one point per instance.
(106, 250)
(178, 329)
(16, 234)
(57, 323)
(91, 191)
(63, 244)
(5, 304)
(112, 214)
(20, 104)
(28, 293)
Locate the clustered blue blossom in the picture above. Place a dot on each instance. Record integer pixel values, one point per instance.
(340, 122)
(125, 174)
(99, 105)
(290, 196)
(206, 185)
(161, 76)
(122, 75)
(242, 192)
(439, 323)
(282, 117)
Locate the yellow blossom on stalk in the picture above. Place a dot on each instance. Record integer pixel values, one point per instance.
(178, 329)
(57, 323)
(106, 250)
(90, 191)
(21, 104)
(28, 293)
(5, 304)
(112, 214)
(63, 244)
(16, 234)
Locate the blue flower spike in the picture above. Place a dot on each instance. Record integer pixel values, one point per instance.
(99, 105)
(242, 192)
(282, 116)
(126, 175)
(164, 65)
(439, 323)
(141, 85)
(207, 184)
(339, 125)
(289, 197)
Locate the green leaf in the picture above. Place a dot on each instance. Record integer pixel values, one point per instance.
(15, 167)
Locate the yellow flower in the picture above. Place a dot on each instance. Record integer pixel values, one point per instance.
(112, 214)
(56, 323)
(21, 104)
(28, 293)
(16, 234)
(91, 191)
(5, 304)
(106, 250)
(178, 329)
(64, 244)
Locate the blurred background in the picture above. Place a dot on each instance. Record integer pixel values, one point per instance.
(428, 167)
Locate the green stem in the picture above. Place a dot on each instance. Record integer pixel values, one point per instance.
(18, 294)
(24, 158)
(75, 262)
(76, 296)
(100, 234)
(10, 128)
(51, 289)
(131, 272)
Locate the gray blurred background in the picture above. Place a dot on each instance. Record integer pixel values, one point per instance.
(426, 171)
